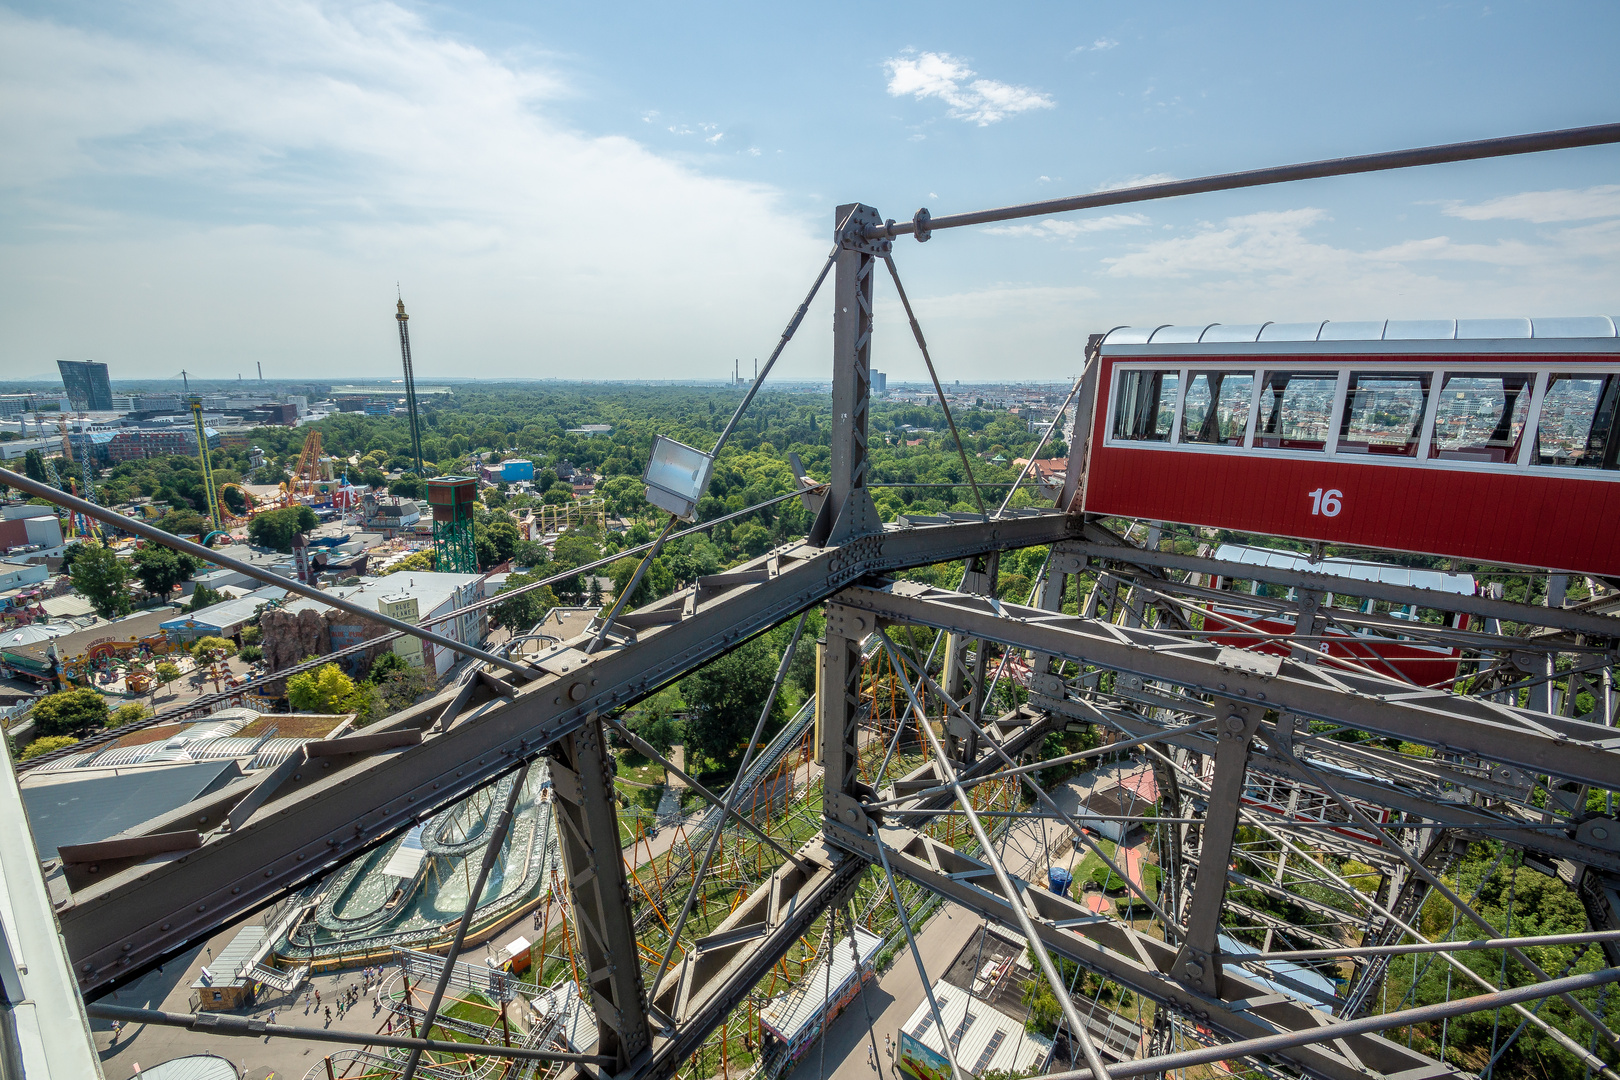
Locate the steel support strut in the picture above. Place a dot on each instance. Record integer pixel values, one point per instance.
(588, 836)
(848, 511)
(1199, 961)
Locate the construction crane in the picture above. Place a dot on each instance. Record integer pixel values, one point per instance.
(207, 464)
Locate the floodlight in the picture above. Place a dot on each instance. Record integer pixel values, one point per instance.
(677, 476)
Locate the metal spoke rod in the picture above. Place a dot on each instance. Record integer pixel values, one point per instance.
(787, 336)
(492, 852)
(916, 331)
(1476, 945)
(860, 984)
(630, 589)
(150, 532)
(1015, 899)
(1035, 453)
(731, 801)
(646, 748)
(1170, 925)
(922, 972)
(241, 1026)
(381, 639)
(1539, 142)
(1339, 1029)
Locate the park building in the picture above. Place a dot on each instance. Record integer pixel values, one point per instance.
(303, 627)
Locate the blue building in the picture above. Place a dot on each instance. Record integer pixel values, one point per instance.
(517, 469)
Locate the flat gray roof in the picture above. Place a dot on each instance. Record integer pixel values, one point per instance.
(83, 811)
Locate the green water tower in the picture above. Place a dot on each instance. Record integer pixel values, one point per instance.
(451, 498)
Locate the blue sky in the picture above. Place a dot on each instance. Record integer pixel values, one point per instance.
(626, 191)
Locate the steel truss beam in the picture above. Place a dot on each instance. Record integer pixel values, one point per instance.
(588, 838)
(1242, 1008)
(1542, 743)
(127, 912)
(1603, 627)
(1529, 834)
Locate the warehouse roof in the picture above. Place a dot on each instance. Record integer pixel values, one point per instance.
(230, 613)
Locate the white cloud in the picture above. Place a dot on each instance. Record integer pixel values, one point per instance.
(1069, 228)
(1250, 243)
(1219, 269)
(1542, 207)
(202, 169)
(943, 76)
(1102, 44)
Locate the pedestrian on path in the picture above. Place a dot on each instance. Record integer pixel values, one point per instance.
(888, 1044)
(871, 1062)
(329, 1016)
(115, 1028)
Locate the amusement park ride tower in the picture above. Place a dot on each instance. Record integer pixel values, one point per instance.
(452, 498)
(203, 458)
(410, 387)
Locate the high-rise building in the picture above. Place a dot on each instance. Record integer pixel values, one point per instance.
(880, 382)
(86, 384)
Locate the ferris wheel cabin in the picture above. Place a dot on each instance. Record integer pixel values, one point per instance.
(1489, 440)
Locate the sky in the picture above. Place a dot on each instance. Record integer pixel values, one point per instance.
(630, 191)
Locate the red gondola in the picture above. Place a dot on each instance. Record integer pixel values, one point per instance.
(1490, 440)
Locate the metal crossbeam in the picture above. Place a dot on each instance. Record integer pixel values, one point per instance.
(1539, 742)
(331, 812)
(1133, 959)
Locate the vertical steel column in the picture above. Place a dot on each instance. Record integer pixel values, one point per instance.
(1198, 962)
(848, 511)
(588, 836)
(840, 702)
(1310, 624)
(960, 677)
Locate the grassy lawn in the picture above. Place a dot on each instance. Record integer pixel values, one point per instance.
(1093, 868)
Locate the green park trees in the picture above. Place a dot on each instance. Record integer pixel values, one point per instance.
(100, 577)
(725, 698)
(325, 690)
(160, 569)
(276, 528)
(71, 712)
(519, 613)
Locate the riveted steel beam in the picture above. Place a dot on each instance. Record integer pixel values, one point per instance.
(1565, 748)
(1243, 1009)
(133, 913)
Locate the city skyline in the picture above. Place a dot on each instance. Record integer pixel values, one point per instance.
(236, 187)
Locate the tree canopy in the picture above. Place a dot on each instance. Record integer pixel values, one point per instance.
(325, 690)
(71, 712)
(519, 613)
(276, 528)
(100, 577)
(160, 569)
(725, 699)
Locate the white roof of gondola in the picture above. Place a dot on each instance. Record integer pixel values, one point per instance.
(1595, 333)
(1413, 577)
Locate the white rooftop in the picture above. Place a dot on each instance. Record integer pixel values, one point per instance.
(795, 1011)
(431, 590)
(1461, 584)
(986, 1038)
